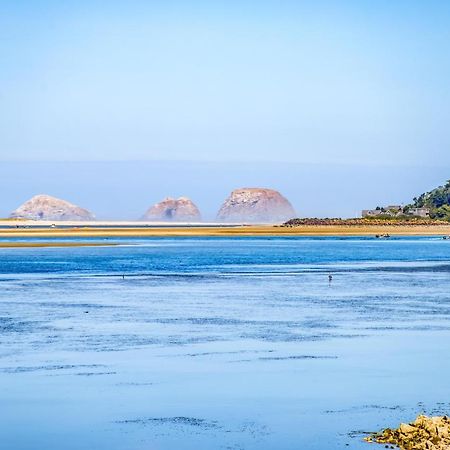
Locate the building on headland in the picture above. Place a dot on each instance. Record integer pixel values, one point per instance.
(419, 212)
(390, 210)
(396, 210)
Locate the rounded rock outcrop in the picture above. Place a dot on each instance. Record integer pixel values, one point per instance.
(174, 210)
(46, 207)
(255, 205)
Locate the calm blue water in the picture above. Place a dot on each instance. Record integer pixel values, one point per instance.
(221, 343)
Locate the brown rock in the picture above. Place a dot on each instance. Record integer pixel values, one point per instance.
(45, 207)
(405, 428)
(256, 205)
(425, 433)
(181, 210)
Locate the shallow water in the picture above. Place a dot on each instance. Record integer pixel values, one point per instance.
(221, 343)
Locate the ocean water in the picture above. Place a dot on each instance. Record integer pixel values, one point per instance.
(221, 343)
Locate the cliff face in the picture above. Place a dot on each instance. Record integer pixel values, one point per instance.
(180, 210)
(256, 205)
(45, 207)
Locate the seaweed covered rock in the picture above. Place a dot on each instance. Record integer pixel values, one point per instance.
(425, 433)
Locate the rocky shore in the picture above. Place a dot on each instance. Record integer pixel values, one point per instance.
(425, 433)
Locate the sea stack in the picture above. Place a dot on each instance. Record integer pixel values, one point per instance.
(255, 205)
(45, 207)
(171, 210)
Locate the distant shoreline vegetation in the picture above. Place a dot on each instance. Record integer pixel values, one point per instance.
(438, 200)
(378, 220)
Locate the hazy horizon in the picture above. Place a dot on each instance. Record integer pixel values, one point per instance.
(125, 190)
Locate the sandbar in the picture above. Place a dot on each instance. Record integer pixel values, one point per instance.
(136, 230)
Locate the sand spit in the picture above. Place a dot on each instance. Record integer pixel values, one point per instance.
(425, 433)
(135, 229)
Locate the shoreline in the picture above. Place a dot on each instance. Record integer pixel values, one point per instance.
(133, 230)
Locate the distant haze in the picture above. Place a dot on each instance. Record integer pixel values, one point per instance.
(124, 190)
(351, 99)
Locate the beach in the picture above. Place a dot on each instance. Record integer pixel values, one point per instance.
(58, 230)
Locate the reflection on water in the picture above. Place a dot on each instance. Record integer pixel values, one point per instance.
(221, 343)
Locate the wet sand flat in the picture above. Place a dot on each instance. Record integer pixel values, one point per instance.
(217, 231)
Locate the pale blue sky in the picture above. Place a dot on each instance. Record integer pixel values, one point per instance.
(330, 89)
(318, 81)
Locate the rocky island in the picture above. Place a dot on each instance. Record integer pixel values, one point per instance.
(255, 205)
(46, 207)
(180, 210)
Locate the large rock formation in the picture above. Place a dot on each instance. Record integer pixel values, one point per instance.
(45, 207)
(181, 210)
(256, 205)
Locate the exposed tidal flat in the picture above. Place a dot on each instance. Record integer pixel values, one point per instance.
(228, 343)
(112, 230)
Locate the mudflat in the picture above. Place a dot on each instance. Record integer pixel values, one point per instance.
(132, 229)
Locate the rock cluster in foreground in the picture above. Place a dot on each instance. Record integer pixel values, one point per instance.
(256, 205)
(180, 210)
(425, 433)
(46, 207)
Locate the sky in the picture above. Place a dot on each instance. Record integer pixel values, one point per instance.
(256, 91)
